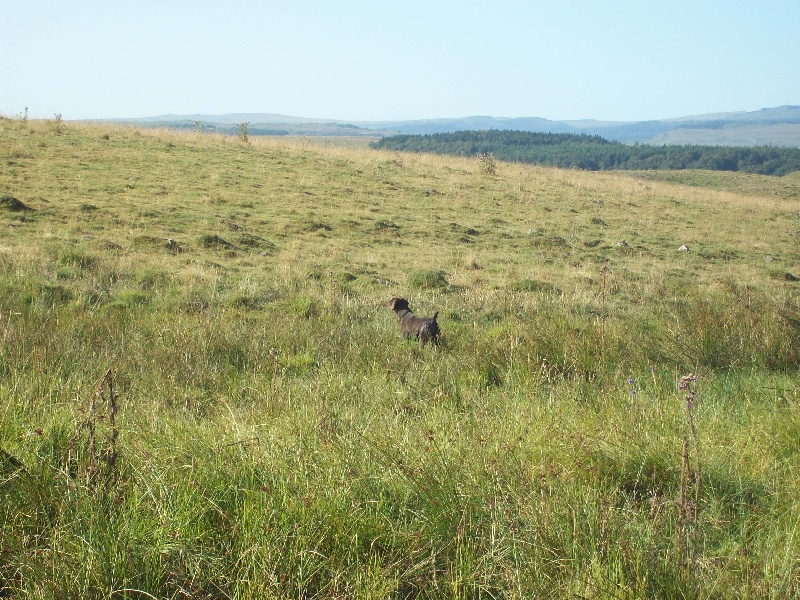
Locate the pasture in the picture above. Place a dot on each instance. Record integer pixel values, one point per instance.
(203, 394)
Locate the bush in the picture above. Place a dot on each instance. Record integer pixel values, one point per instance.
(487, 163)
(428, 280)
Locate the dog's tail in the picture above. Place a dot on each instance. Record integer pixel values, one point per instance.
(436, 314)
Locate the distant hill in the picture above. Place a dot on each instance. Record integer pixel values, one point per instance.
(768, 126)
(778, 126)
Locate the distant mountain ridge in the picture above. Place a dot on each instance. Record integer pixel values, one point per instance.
(779, 126)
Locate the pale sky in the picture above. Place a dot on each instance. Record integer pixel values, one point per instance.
(376, 60)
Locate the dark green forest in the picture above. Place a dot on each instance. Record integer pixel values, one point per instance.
(594, 153)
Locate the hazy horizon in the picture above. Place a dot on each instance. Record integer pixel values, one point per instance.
(323, 118)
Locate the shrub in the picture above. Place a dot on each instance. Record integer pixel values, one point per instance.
(487, 163)
(242, 127)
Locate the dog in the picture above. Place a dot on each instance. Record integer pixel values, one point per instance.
(425, 329)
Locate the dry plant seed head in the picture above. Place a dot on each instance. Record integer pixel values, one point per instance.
(686, 381)
(99, 464)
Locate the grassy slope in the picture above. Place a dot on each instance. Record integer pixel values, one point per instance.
(273, 436)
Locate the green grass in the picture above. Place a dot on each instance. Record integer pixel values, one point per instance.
(272, 435)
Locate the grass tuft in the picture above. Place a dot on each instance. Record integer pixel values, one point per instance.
(428, 280)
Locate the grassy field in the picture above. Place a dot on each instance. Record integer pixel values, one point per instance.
(202, 393)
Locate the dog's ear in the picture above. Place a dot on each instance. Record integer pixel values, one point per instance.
(436, 314)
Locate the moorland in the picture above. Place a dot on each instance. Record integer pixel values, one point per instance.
(203, 394)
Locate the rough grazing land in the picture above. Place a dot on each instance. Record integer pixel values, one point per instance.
(202, 393)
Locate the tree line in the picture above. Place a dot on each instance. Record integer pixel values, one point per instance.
(594, 153)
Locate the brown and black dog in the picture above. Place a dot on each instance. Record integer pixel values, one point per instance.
(425, 329)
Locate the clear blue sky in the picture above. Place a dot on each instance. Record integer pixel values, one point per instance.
(376, 60)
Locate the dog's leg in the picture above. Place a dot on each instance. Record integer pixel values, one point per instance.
(426, 334)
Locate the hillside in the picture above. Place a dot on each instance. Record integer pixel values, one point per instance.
(203, 393)
(768, 126)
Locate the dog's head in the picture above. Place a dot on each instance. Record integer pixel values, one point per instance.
(398, 304)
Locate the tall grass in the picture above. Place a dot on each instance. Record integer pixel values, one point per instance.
(242, 418)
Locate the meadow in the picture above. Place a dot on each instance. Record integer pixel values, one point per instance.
(203, 394)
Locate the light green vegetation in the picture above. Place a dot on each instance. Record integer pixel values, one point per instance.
(234, 413)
